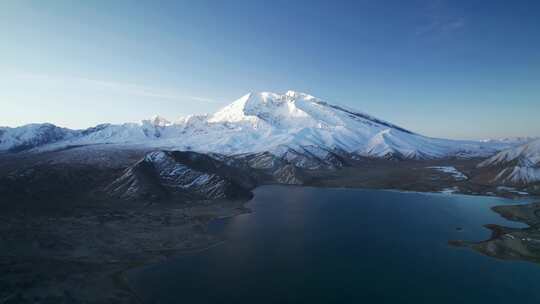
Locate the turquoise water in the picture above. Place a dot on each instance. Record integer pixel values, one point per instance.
(312, 245)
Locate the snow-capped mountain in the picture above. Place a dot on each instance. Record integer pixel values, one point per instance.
(260, 122)
(32, 135)
(519, 165)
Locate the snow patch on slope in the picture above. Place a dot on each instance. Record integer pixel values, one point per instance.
(450, 170)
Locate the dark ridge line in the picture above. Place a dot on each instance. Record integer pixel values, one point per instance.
(370, 118)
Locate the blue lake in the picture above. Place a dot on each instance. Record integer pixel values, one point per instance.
(314, 245)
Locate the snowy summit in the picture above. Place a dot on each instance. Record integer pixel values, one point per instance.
(259, 122)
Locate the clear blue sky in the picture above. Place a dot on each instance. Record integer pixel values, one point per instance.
(458, 69)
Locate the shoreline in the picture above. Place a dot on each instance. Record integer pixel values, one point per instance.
(458, 193)
(509, 243)
(137, 238)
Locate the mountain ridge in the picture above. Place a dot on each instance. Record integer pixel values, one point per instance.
(518, 165)
(259, 122)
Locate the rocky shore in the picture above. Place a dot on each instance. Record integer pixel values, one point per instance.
(512, 243)
(80, 257)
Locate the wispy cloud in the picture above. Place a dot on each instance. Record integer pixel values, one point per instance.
(439, 19)
(125, 88)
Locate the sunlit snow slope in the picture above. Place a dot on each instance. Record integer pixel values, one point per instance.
(259, 122)
(519, 165)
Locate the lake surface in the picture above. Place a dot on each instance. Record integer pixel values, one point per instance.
(312, 245)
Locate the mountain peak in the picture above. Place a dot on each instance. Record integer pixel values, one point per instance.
(296, 94)
(517, 165)
(267, 107)
(156, 121)
(291, 93)
(294, 110)
(261, 122)
(159, 121)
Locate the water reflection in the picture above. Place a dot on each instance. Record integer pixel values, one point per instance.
(303, 245)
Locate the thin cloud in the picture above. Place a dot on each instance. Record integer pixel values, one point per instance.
(126, 88)
(439, 20)
(441, 26)
(454, 24)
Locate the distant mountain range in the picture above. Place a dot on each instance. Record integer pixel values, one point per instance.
(260, 122)
(519, 165)
(291, 138)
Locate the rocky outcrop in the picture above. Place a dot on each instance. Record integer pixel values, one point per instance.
(181, 175)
